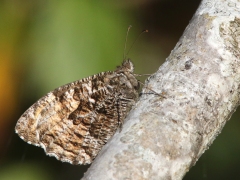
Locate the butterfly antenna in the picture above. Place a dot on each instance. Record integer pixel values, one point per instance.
(125, 45)
(144, 31)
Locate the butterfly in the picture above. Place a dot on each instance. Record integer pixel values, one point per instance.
(74, 121)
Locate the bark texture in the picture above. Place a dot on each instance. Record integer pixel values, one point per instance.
(163, 137)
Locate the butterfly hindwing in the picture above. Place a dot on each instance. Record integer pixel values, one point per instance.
(74, 121)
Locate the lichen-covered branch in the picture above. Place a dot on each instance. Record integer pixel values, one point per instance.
(163, 137)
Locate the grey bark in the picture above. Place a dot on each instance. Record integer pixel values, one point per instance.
(163, 137)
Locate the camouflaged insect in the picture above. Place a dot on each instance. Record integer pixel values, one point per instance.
(73, 122)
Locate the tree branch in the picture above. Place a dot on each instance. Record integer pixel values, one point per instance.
(163, 137)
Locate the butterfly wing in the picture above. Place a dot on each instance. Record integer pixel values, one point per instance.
(74, 121)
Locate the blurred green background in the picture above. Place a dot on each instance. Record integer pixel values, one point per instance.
(45, 44)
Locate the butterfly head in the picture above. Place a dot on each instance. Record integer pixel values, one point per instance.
(127, 66)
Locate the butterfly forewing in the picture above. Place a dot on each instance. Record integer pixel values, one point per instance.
(74, 121)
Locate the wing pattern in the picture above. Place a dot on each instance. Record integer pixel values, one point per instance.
(74, 121)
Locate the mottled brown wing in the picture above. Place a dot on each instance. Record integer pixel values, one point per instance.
(74, 121)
